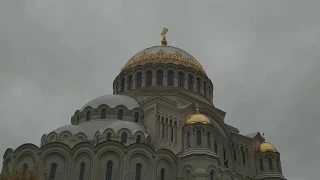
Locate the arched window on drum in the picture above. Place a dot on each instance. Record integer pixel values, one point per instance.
(159, 78)
(149, 78)
(170, 81)
(181, 80)
(190, 82)
(139, 80)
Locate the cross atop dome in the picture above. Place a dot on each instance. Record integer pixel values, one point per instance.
(163, 34)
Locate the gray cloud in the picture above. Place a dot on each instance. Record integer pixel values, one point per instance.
(262, 57)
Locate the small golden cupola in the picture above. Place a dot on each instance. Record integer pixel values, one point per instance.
(198, 118)
(266, 146)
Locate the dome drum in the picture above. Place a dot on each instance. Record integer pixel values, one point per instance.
(167, 76)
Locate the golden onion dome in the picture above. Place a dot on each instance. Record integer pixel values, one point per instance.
(266, 147)
(198, 118)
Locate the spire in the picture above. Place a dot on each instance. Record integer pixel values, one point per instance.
(163, 34)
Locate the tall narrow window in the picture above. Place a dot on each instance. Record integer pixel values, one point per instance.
(136, 117)
(109, 170)
(190, 82)
(225, 159)
(88, 115)
(78, 118)
(82, 168)
(109, 136)
(278, 164)
(215, 146)
(180, 79)
(261, 164)
(162, 173)
(209, 139)
(138, 171)
(122, 85)
(124, 137)
(138, 139)
(198, 138)
(53, 171)
(139, 80)
(103, 114)
(234, 152)
(159, 78)
(211, 175)
(171, 133)
(129, 82)
(120, 114)
(149, 79)
(163, 129)
(243, 156)
(270, 163)
(198, 84)
(188, 139)
(205, 88)
(170, 78)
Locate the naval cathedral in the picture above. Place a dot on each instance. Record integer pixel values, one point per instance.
(160, 123)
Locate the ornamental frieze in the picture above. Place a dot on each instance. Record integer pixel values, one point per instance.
(163, 58)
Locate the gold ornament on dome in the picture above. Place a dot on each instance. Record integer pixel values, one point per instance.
(163, 58)
(266, 146)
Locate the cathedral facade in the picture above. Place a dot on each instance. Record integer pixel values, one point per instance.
(160, 123)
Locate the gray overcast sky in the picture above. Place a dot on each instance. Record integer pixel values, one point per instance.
(262, 57)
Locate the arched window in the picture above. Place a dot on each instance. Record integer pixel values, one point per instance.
(212, 175)
(149, 79)
(205, 88)
(270, 163)
(103, 114)
(188, 139)
(234, 152)
(180, 79)
(159, 78)
(225, 158)
(198, 84)
(88, 116)
(162, 173)
(136, 117)
(215, 146)
(190, 82)
(163, 129)
(138, 171)
(122, 84)
(171, 133)
(261, 165)
(109, 136)
(138, 139)
(278, 164)
(24, 168)
(139, 80)
(124, 137)
(243, 156)
(120, 114)
(109, 170)
(209, 139)
(78, 118)
(198, 138)
(53, 171)
(82, 168)
(170, 78)
(130, 82)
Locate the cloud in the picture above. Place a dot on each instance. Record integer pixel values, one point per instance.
(262, 57)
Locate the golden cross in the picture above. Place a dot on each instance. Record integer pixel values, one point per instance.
(164, 32)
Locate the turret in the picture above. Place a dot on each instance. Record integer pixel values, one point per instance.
(268, 164)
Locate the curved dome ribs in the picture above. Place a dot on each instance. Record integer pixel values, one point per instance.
(163, 66)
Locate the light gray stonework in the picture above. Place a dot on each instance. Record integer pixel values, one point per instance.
(147, 126)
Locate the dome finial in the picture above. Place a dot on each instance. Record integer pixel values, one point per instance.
(197, 108)
(163, 34)
(264, 137)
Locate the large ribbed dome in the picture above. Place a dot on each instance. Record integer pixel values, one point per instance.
(163, 55)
